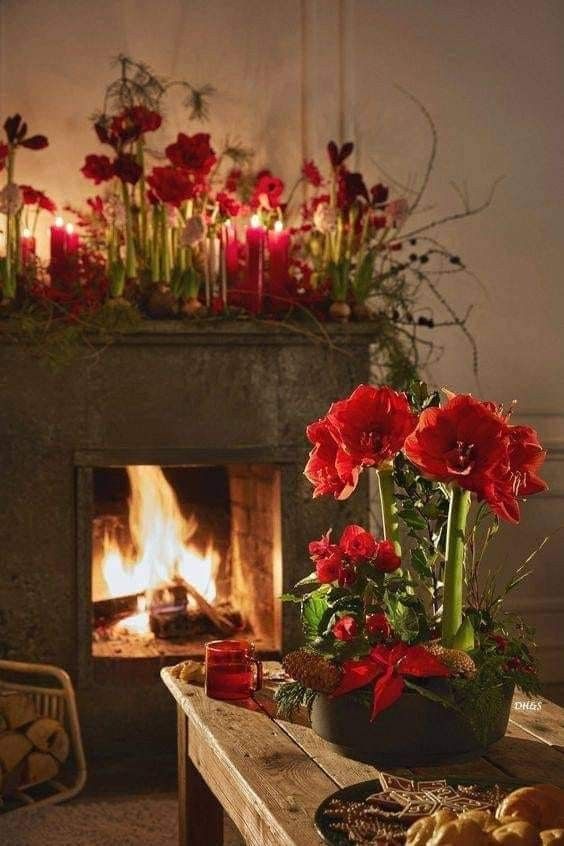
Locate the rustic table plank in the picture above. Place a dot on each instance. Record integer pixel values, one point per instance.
(540, 717)
(267, 784)
(200, 815)
(524, 757)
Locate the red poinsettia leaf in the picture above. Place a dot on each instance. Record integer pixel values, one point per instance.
(357, 674)
(387, 690)
(417, 661)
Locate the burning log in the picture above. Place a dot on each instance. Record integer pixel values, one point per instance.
(221, 621)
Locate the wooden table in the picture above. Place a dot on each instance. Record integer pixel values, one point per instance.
(270, 775)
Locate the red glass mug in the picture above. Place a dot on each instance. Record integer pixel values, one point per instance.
(229, 669)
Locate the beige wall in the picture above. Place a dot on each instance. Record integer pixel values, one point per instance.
(292, 74)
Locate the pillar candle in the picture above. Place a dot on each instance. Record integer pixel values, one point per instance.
(255, 264)
(27, 247)
(57, 240)
(278, 247)
(72, 240)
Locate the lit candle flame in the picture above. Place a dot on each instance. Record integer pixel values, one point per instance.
(255, 221)
(59, 221)
(26, 233)
(70, 228)
(278, 226)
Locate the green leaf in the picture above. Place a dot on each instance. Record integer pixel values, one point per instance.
(430, 694)
(313, 608)
(412, 518)
(464, 637)
(308, 580)
(290, 597)
(420, 564)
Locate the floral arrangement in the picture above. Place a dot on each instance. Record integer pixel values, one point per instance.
(191, 228)
(382, 615)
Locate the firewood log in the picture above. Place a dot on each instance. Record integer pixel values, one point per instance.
(16, 709)
(13, 749)
(38, 767)
(48, 735)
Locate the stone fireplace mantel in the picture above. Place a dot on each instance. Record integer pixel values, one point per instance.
(171, 394)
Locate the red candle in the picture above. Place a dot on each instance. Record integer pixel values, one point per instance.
(72, 241)
(27, 248)
(278, 247)
(58, 237)
(255, 264)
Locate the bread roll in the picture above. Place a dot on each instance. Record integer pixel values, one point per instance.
(541, 805)
(516, 833)
(552, 836)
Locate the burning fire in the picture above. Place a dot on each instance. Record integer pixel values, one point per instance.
(159, 551)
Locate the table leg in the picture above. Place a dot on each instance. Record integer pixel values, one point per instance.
(200, 815)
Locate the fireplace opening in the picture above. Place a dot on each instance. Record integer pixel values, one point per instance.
(182, 555)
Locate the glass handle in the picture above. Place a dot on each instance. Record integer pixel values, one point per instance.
(258, 680)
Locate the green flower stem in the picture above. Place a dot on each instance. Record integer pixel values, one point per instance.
(165, 249)
(142, 197)
(130, 258)
(454, 564)
(155, 253)
(9, 279)
(388, 506)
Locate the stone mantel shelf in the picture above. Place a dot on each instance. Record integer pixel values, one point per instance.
(225, 332)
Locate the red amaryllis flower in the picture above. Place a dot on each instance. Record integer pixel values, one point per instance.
(311, 173)
(192, 152)
(357, 543)
(464, 441)
(233, 179)
(338, 155)
(387, 665)
(517, 476)
(34, 197)
(345, 629)
(321, 467)
(379, 194)
(378, 625)
(132, 123)
(127, 168)
(370, 427)
(351, 187)
(171, 185)
(228, 206)
(267, 192)
(97, 168)
(386, 560)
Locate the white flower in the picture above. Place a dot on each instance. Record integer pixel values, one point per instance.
(193, 232)
(397, 212)
(324, 218)
(11, 198)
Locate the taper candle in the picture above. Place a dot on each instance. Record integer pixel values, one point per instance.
(27, 248)
(278, 247)
(255, 264)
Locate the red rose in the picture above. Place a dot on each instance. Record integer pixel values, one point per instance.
(378, 625)
(192, 152)
(171, 185)
(98, 168)
(462, 442)
(267, 192)
(311, 174)
(357, 543)
(370, 426)
(321, 467)
(127, 168)
(328, 567)
(228, 206)
(345, 629)
(517, 476)
(386, 560)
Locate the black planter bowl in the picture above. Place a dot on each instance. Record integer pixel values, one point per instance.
(413, 732)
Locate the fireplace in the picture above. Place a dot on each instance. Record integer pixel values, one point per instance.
(183, 555)
(219, 414)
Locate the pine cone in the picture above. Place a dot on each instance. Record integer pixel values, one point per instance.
(313, 671)
(455, 659)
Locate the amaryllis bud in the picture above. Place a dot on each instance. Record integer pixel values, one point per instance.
(11, 127)
(193, 232)
(36, 142)
(11, 199)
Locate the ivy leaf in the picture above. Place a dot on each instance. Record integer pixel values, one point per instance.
(420, 564)
(412, 518)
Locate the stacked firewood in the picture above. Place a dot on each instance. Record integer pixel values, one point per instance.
(32, 747)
